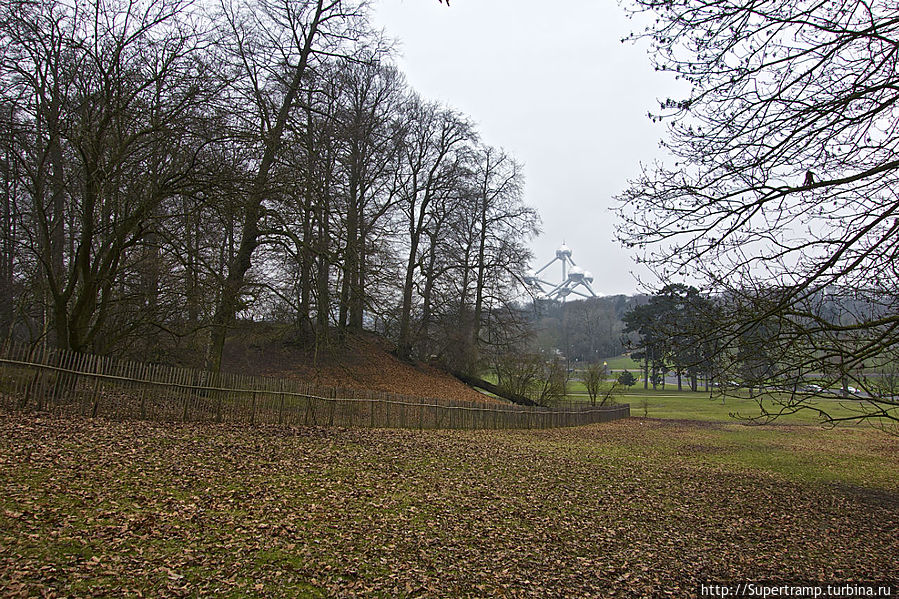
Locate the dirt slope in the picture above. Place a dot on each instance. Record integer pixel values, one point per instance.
(365, 363)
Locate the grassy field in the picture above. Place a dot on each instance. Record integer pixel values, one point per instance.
(623, 362)
(686, 405)
(634, 508)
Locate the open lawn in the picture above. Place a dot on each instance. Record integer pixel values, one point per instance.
(687, 405)
(623, 362)
(698, 406)
(634, 508)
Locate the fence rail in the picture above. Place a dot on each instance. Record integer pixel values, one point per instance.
(67, 383)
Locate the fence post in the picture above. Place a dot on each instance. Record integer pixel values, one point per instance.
(95, 396)
(219, 396)
(281, 403)
(253, 410)
(333, 402)
(185, 380)
(142, 372)
(63, 363)
(31, 387)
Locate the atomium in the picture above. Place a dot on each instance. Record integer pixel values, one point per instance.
(573, 278)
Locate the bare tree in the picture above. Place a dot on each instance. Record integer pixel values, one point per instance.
(530, 375)
(432, 156)
(784, 176)
(101, 96)
(271, 45)
(9, 222)
(372, 92)
(503, 225)
(169, 167)
(593, 377)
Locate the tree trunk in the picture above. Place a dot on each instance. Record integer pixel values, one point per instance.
(307, 267)
(480, 280)
(357, 292)
(350, 260)
(496, 390)
(7, 245)
(323, 303)
(226, 309)
(646, 372)
(404, 347)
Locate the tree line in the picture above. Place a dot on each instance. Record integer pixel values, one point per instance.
(674, 330)
(784, 361)
(169, 167)
(587, 330)
(564, 341)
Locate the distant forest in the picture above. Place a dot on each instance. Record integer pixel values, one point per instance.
(586, 330)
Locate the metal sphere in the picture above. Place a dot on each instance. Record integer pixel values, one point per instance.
(573, 278)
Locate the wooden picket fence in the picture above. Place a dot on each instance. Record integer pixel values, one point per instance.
(71, 384)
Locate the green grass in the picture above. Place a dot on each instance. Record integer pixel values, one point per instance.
(849, 456)
(688, 405)
(575, 386)
(671, 404)
(623, 362)
(843, 461)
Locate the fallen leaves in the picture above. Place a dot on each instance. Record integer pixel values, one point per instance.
(89, 507)
(365, 364)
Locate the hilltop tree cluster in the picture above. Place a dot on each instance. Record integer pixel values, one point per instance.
(169, 167)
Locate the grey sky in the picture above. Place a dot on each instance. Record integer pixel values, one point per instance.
(555, 87)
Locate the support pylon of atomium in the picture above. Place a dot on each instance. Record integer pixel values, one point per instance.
(573, 278)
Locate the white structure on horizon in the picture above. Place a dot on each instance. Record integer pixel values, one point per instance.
(573, 277)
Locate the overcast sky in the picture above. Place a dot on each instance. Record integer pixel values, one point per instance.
(556, 88)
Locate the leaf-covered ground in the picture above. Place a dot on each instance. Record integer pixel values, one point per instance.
(633, 508)
(364, 363)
